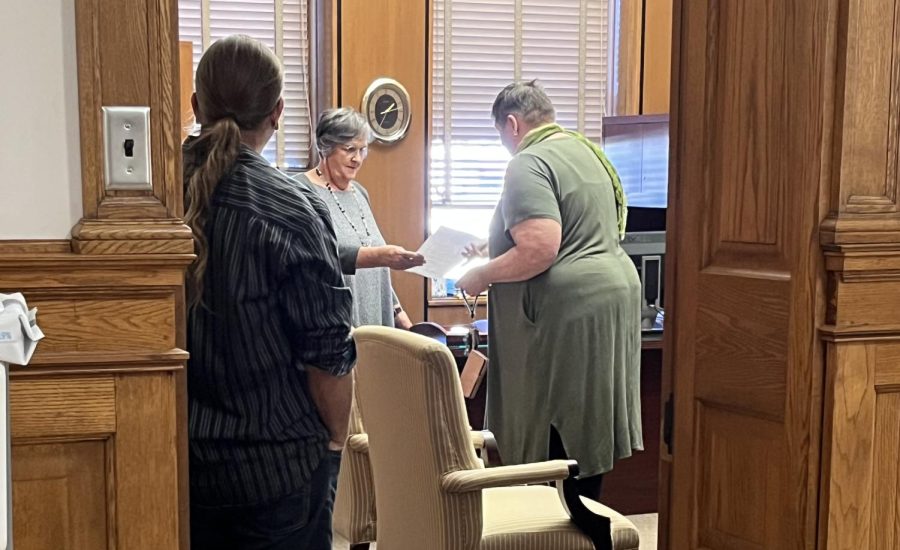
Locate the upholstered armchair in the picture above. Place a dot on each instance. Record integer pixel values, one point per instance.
(432, 491)
(354, 507)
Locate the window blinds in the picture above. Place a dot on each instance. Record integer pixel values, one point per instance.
(281, 25)
(479, 47)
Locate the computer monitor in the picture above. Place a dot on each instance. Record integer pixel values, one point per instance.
(638, 147)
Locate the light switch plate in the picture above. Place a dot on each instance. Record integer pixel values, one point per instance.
(126, 138)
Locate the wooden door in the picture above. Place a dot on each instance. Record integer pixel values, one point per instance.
(745, 268)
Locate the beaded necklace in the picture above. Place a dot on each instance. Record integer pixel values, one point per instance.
(365, 241)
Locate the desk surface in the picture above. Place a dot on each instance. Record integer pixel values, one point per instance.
(652, 340)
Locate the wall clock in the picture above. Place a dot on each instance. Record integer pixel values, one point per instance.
(386, 107)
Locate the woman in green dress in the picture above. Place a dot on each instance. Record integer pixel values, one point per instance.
(565, 335)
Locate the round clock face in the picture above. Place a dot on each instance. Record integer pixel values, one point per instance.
(386, 107)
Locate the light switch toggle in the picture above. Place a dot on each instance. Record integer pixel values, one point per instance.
(127, 148)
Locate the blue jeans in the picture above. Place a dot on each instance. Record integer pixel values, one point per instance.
(301, 521)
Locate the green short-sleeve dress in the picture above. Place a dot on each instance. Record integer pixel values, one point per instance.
(565, 345)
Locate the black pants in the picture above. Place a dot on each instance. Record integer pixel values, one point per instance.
(301, 521)
(589, 487)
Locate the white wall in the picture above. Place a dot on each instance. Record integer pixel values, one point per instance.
(40, 161)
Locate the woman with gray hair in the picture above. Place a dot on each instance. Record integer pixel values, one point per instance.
(342, 140)
(565, 335)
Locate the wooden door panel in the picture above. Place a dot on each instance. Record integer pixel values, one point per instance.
(742, 325)
(739, 497)
(745, 47)
(60, 496)
(741, 334)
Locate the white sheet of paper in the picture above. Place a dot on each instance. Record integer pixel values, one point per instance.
(443, 252)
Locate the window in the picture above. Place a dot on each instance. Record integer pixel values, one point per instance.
(479, 47)
(281, 25)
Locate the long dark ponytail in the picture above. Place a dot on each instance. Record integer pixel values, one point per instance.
(238, 84)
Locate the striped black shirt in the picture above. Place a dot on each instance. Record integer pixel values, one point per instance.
(274, 305)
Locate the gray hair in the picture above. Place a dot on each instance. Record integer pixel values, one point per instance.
(526, 99)
(338, 127)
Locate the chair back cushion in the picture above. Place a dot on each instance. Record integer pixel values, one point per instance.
(412, 407)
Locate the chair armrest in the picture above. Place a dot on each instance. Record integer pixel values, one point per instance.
(481, 440)
(484, 442)
(462, 481)
(359, 443)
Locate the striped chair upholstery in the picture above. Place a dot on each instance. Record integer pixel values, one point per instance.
(432, 491)
(354, 506)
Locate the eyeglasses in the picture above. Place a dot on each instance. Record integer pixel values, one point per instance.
(352, 151)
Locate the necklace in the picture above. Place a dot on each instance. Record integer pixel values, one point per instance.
(364, 241)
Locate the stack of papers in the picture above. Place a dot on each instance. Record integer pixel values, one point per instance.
(443, 252)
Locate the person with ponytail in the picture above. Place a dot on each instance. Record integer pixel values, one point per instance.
(269, 321)
(565, 324)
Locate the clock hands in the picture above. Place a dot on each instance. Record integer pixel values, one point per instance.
(385, 113)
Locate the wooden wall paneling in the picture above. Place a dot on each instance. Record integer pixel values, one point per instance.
(51, 407)
(388, 38)
(99, 416)
(60, 497)
(324, 62)
(60, 273)
(86, 325)
(869, 108)
(164, 99)
(861, 241)
(860, 505)
(626, 97)
(124, 60)
(849, 431)
(147, 462)
(746, 269)
(867, 122)
(886, 472)
(111, 374)
(25, 247)
(860, 496)
(186, 83)
(657, 58)
(89, 100)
